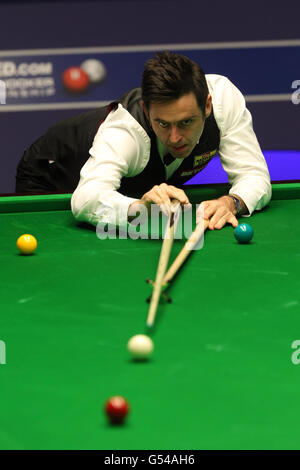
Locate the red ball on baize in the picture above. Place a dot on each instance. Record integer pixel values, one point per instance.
(75, 79)
(116, 409)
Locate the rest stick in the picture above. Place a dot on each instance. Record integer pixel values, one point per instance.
(161, 270)
(188, 247)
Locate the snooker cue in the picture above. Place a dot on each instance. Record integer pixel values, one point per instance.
(162, 266)
(183, 254)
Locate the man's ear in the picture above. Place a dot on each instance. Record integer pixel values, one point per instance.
(208, 106)
(145, 110)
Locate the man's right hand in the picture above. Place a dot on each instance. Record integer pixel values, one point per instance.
(162, 195)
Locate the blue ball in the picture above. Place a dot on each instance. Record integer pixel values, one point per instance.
(243, 233)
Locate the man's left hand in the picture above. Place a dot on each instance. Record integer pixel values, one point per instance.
(219, 212)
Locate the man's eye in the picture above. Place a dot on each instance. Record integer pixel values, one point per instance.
(163, 125)
(186, 122)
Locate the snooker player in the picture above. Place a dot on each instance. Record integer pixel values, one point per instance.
(150, 142)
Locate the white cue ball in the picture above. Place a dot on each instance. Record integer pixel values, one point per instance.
(95, 69)
(140, 346)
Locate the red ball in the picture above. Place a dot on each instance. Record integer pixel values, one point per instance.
(75, 80)
(117, 409)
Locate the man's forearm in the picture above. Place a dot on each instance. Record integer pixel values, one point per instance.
(232, 205)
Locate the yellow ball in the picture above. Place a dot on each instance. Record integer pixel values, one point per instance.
(26, 244)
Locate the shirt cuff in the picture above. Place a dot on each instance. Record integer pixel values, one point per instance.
(255, 195)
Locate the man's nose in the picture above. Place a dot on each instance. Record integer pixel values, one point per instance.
(174, 136)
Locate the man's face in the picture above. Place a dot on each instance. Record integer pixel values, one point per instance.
(178, 124)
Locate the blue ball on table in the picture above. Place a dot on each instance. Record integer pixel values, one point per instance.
(243, 233)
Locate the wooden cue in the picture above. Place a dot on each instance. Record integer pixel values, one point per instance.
(183, 254)
(161, 269)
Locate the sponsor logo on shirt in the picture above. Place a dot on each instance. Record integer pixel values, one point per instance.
(200, 161)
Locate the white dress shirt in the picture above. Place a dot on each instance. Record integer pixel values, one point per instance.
(121, 148)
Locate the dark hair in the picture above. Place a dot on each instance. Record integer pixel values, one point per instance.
(168, 76)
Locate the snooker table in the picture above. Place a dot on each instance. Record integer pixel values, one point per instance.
(221, 375)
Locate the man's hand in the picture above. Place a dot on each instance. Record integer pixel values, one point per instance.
(219, 212)
(162, 195)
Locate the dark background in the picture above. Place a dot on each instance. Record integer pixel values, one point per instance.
(54, 24)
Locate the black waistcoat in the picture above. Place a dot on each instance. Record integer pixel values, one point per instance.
(68, 142)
